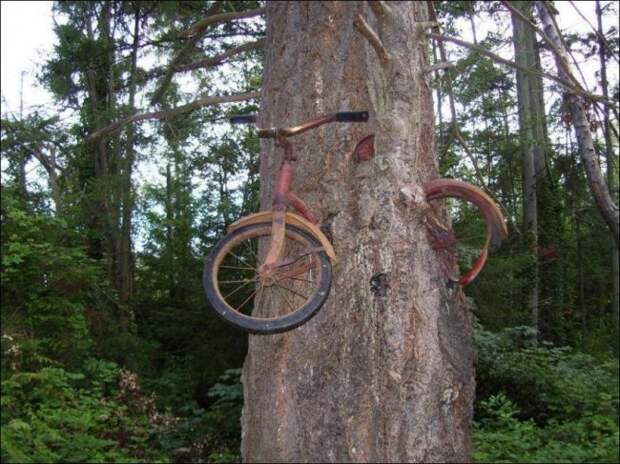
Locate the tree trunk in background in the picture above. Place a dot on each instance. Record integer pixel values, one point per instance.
(612, 180)
(384, 376)
(598, 188)
(549, 266)
(530, 150)
(125, 259)
(172, 275)
(20, 175)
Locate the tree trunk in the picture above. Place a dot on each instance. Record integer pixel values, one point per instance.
(612, 180)
(375, 376)
(169, 211)
(439, 97)
(549, 285)
(23, 159)
(530, 149)
(125, 268)
(599, 189)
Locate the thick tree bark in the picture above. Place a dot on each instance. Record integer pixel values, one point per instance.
(375, 376)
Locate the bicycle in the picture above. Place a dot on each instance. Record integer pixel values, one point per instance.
(277, 255)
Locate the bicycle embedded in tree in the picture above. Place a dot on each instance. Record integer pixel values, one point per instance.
(273, 270)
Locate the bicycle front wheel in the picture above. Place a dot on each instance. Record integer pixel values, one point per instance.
(288, 297)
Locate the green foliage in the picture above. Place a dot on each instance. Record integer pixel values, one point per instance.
(48, 283)
(502, 437)
(541, 403)
(175, 397)
(53, 415)
(211, 435)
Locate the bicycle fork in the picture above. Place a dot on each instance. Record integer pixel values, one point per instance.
(281, 198)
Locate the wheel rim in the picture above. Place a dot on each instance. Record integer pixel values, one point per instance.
(286, 290)
(494, 222)
(464, 245)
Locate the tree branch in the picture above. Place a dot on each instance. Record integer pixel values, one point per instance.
(439, 65)
(540, 32)
(455, 130)
(362, 26)
(596, 31)
(189, 46)
(167, 114)
(218, 59)
(562, 82)
(380, 8)
(209, 20)
(599, 189)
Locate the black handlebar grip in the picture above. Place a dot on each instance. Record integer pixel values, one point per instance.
(352, 116)
(243, 119)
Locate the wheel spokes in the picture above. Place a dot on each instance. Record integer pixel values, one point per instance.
(237, 289)
(292, 291)
(236, 281)
(236, 267)
(289, 287)
(247, 299)
(285, 299)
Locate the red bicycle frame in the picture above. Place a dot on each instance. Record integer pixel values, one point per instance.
(282, 195)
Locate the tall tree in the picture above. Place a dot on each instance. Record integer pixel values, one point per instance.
(530, 148)
(579, 118)
(384, 372)
(612, 179)
(541, 218)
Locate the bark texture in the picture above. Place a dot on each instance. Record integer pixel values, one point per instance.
(382, 373)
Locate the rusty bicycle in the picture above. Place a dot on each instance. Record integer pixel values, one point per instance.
(282, 258)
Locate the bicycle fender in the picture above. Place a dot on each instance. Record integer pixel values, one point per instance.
(493, 218)
(293, 219)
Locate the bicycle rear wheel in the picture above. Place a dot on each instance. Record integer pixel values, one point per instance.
(286, 298)
(484, 226)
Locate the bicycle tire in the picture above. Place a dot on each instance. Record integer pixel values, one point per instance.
(264, 325)
(492, 217)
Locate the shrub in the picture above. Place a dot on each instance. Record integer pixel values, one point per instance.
(541, 403)
(53, 415)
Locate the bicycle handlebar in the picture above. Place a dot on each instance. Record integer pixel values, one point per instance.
(352, 116)
(343, 116)
(243, 119)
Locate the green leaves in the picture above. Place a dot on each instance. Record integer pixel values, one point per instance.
(541, 403)
(230, 391)
(47, 281)
(55, 415)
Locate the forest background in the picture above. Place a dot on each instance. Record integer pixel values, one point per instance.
(109, 349)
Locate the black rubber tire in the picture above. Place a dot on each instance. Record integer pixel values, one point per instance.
(266, 326)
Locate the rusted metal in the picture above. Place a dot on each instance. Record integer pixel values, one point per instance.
(301, 207)
(291, 219)
(282, 195)
(287, 147)
(365, 149)
(283, 185)
(276, 244)
(307, 125)
(496, 229)
(295, 130)
(351, 116)
(298, 256)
